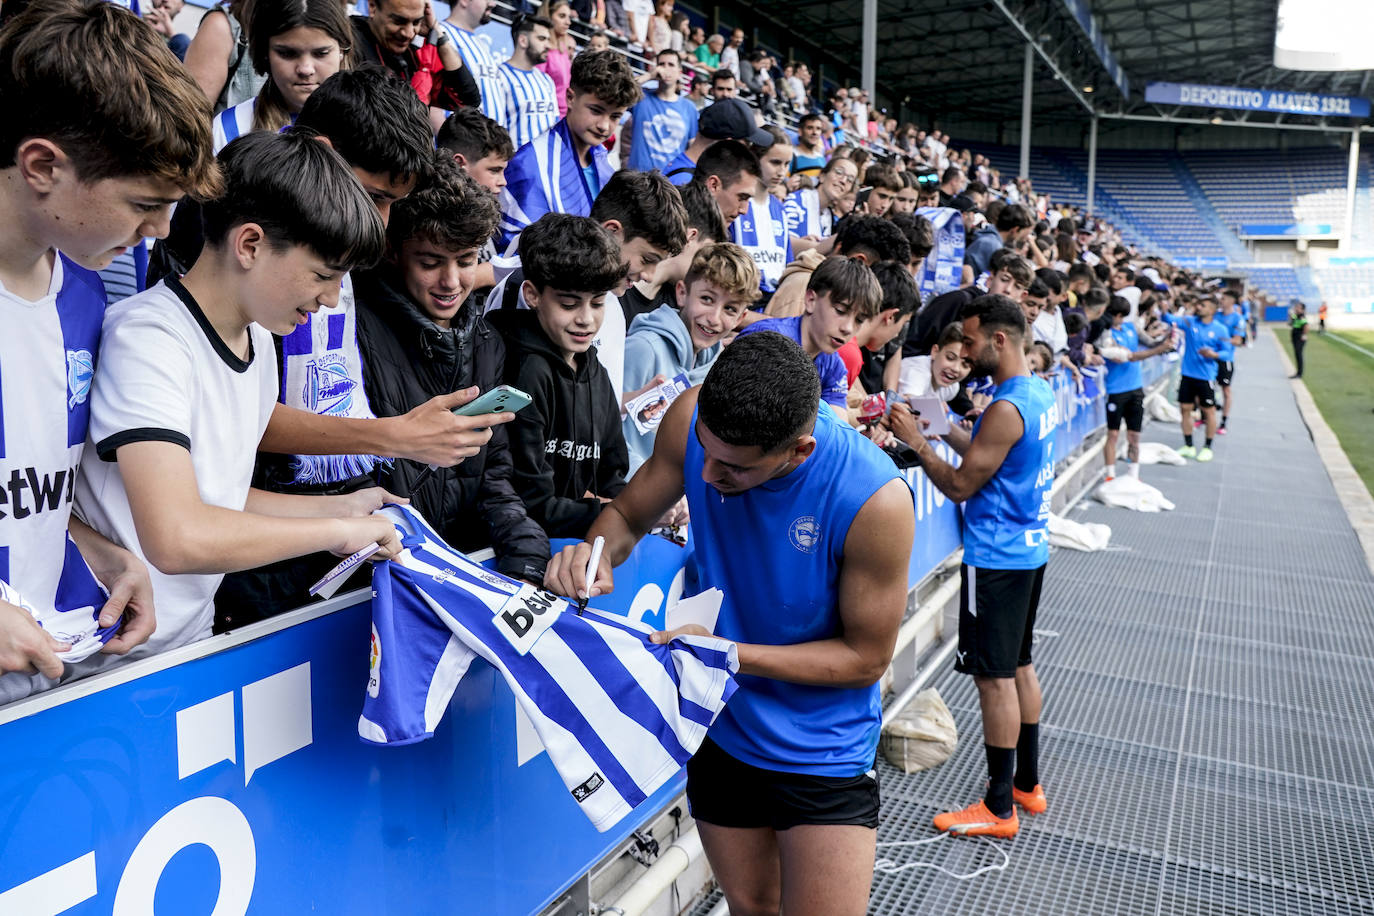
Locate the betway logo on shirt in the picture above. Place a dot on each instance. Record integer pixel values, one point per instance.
(30, 491)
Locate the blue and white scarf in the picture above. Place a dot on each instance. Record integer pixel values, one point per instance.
(322, 372)
(943, 268)
(545, 177)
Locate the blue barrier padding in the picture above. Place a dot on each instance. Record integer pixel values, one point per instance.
(238, 775)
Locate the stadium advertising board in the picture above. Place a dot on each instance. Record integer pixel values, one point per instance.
(1277, 101)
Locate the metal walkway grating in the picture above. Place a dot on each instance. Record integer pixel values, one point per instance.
(1208, 739)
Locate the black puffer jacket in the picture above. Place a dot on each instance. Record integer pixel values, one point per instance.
(569, 440)
(408, 359)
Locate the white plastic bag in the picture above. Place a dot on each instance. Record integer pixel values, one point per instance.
(1085, 536)
(1130, 493)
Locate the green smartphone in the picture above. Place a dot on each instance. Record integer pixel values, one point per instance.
(500, 399)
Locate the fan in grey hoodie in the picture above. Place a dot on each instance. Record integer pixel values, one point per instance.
(720, 284)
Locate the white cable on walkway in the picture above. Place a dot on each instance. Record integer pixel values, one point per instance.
(888, 867)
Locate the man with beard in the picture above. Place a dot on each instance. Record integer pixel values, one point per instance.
(783, 789)
(1004, 480)
(527, 105)
(462, 23)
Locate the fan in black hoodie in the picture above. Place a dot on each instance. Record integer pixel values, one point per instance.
(412, 352)
(568, 447)
(569, 441)
(408, 359)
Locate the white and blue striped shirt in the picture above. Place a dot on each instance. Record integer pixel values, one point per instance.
(618, 714)
(763, 232)
(529, 106)
(48, 355)
(805, 216)
(475, 51)
(232, 123)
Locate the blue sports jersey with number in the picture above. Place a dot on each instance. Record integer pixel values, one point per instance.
(618, 714)
(1124, 376)
(1005, 521)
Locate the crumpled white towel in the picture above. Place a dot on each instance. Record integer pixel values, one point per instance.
(1151, 453)
(1086, 536)
(1131, 493)
(1159, 408)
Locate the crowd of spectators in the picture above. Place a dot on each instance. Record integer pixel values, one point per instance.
(342, 280)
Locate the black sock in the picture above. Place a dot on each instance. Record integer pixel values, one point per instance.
(1209, 442)
(1028, 757)
(1001, 761)
(1188, 439)
(1223, 422)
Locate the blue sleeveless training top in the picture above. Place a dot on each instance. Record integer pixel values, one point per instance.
(775, 552)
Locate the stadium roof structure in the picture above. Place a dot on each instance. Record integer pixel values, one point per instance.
(967, 56)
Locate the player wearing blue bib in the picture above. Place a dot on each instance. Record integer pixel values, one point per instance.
(72, 184)
(807, 529)
(1207, 342)
(1234, 320)
(1004, 481)
(1120, 346)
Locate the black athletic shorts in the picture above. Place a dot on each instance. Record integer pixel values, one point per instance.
(1196, 389)
(727, 792)
(996, 619)
(1128, 407)
(1225, 372)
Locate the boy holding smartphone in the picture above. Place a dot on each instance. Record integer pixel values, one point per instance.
(421, 334)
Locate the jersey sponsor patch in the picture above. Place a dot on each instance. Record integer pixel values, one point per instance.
(525, 617)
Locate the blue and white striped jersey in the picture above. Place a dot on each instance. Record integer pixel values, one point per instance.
(47, 362)
(528, 105)
(805, 216)
(762, 231)
(475, 51)
(232, 123)
(618, 714)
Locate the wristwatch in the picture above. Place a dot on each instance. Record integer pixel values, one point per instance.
(438, 36)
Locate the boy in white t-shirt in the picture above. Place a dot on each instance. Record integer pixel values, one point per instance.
(941, 372)
(188, 381)
(75, 194)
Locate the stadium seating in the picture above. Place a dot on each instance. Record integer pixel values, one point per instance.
(1274, 186)
(1279, 281)
(1193, 204)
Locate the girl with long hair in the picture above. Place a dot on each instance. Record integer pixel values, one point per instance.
(297, 44)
